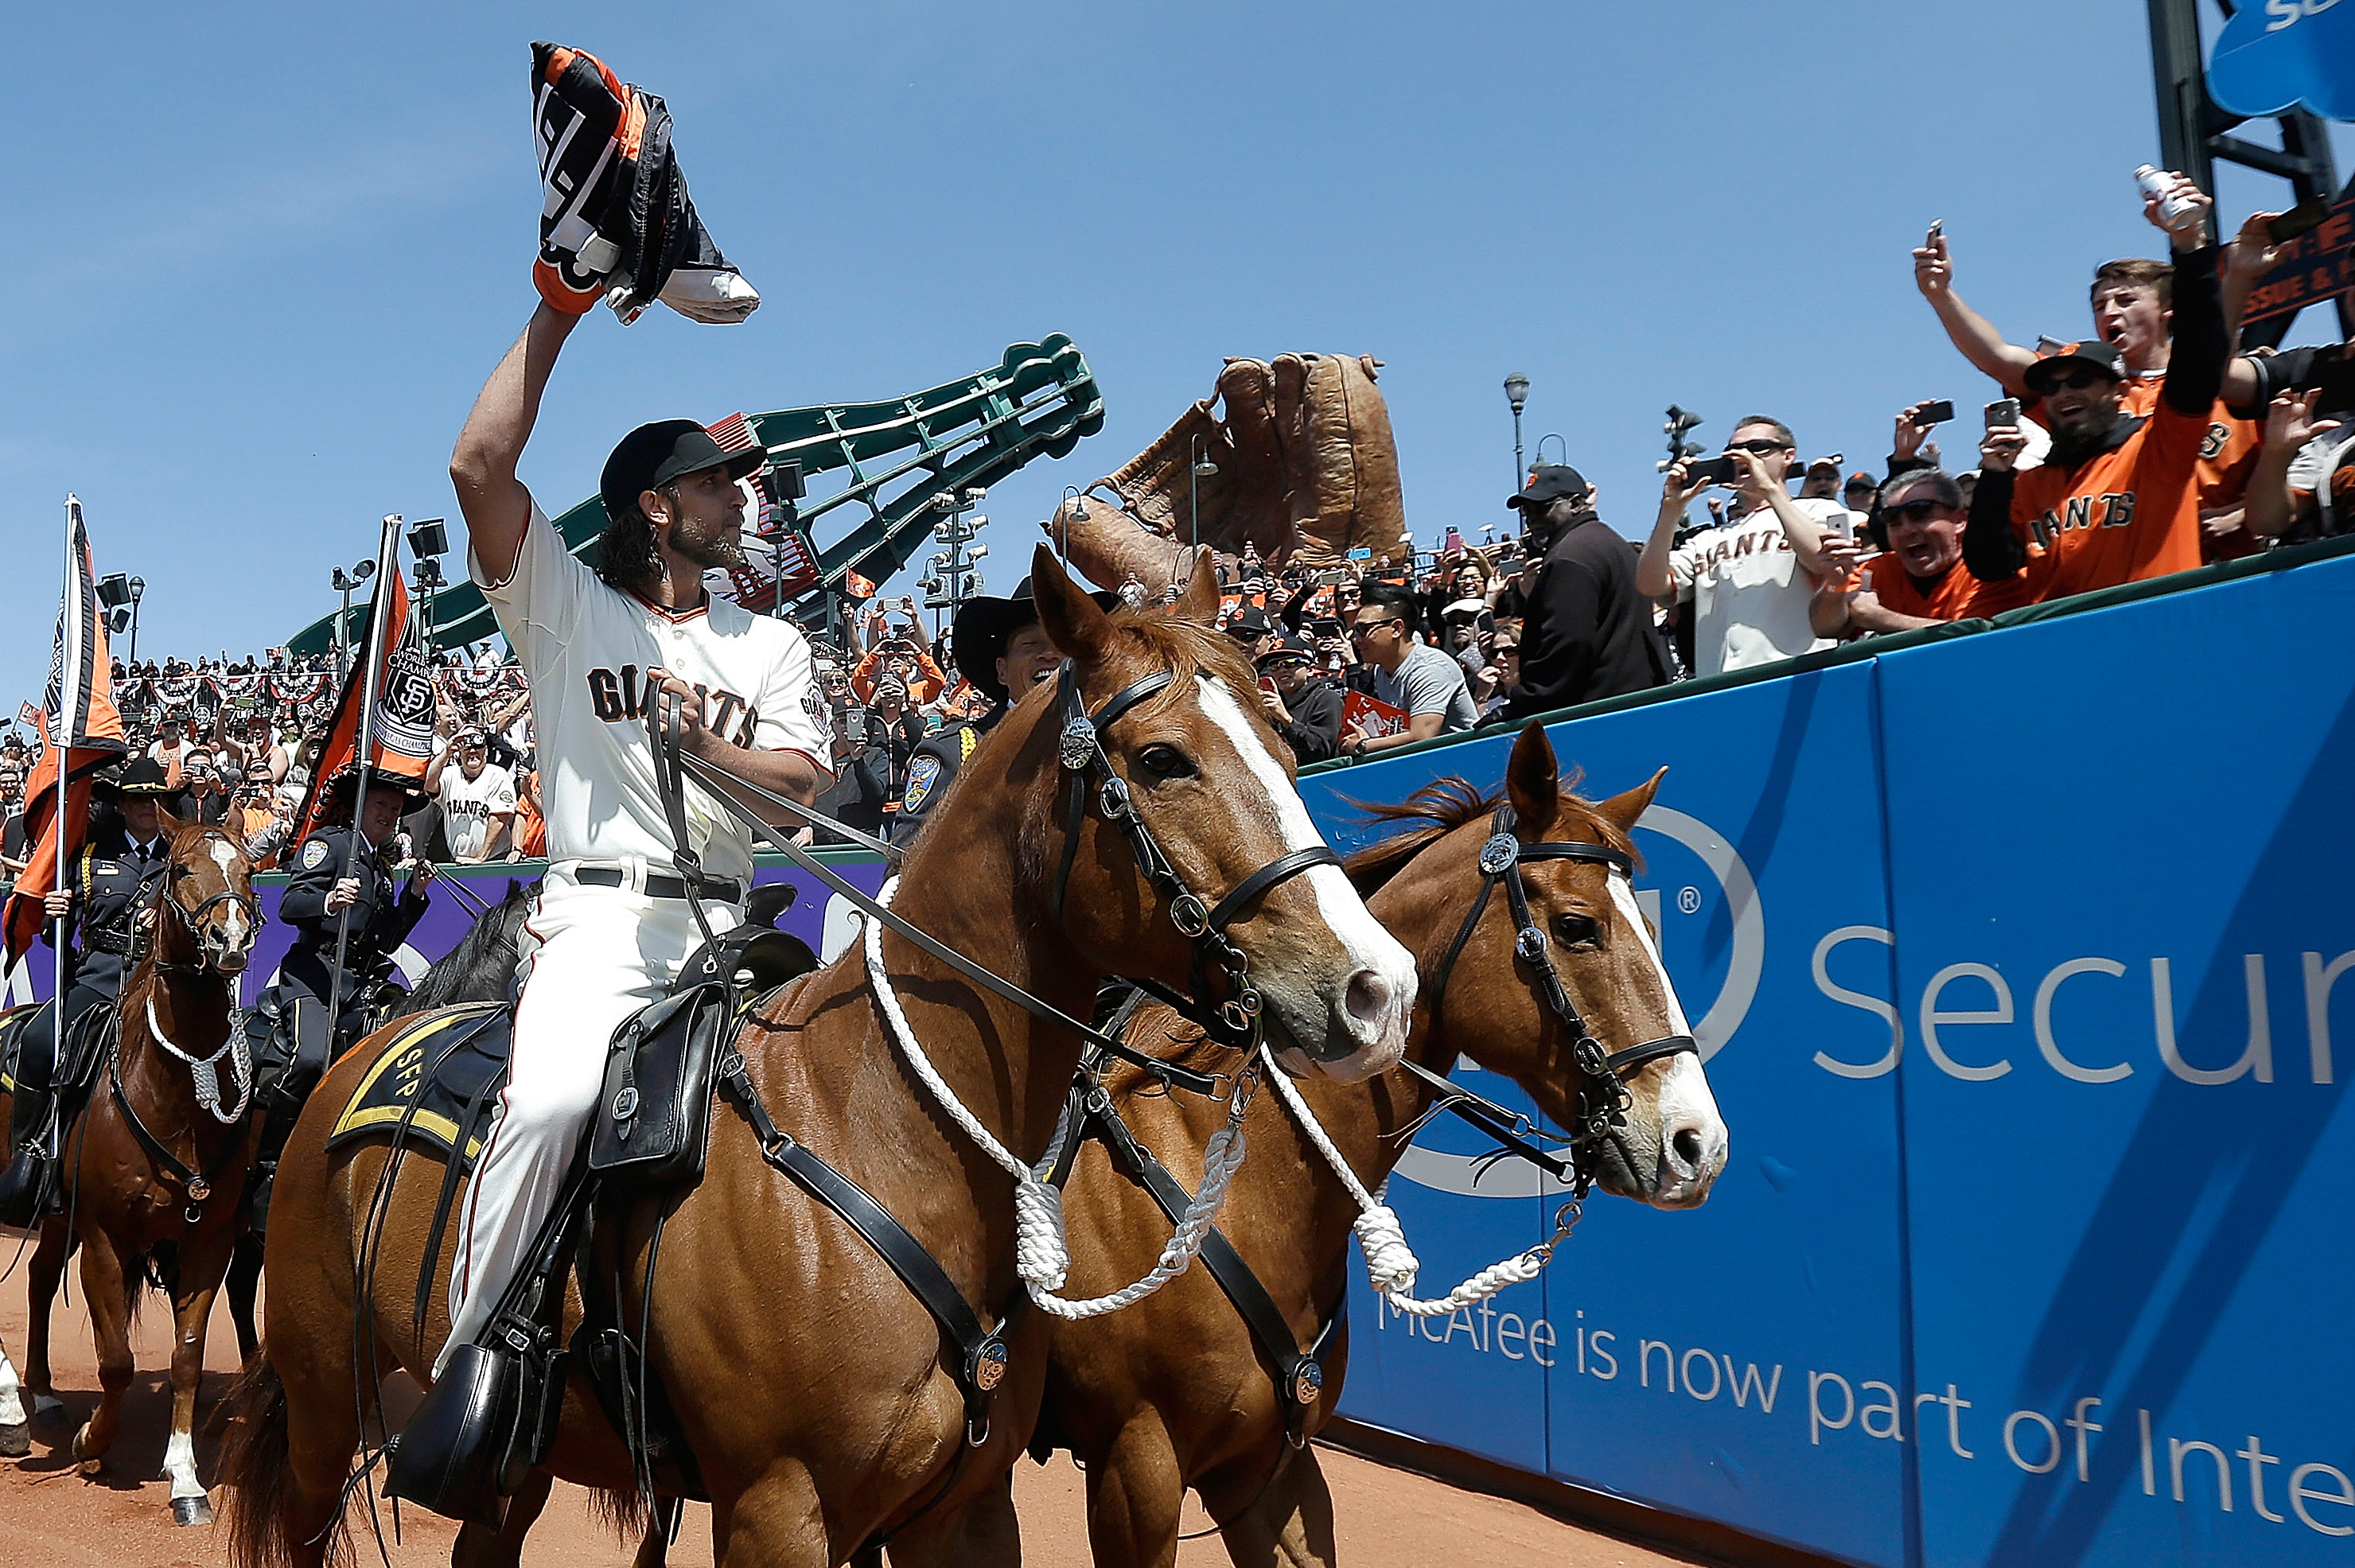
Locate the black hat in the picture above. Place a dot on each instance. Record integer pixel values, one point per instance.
(1294, 646)
(1553, 482)
(2100, 356)
(652, 456)
(1249, 621)
(984, 625)
(142, 776)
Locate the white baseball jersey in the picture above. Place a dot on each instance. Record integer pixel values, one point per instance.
(585, 648)
(468, 806)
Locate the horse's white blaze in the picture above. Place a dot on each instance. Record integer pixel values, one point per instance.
(1685, 1101)
(233, 930)
(180, 1464)
(1369, 947)
(12, 1408)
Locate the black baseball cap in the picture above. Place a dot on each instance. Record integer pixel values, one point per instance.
(1249, 621)
(1552, 482)
(1294, 648)
(2099, 355)
(652, 456)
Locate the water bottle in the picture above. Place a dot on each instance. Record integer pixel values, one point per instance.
(2176, 211)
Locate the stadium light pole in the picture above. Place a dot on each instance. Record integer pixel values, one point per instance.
(1198, 468)
(1517, 392)
(344, 583)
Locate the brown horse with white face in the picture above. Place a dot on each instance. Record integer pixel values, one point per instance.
(807, 1378)
(1178, 1393)
(156, 1165)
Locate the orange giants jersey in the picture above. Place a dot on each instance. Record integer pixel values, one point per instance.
(2121, 515)
(1955, 597)
(2227, 453)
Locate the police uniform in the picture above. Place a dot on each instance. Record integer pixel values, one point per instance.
(933, 764)
(611, 926)
(381, 918)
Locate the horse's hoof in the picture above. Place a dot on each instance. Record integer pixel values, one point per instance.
(17, 1441)
(192, 1510)
(90, 1467)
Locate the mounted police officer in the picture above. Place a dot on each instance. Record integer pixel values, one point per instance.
(108, 888)
(1001, 648)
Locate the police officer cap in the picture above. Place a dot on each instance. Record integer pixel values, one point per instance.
(142, 778)
(343, 783)
(652, 456)
(984, 625)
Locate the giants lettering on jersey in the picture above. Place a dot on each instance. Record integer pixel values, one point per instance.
(616, 699)
(1725, 549)
(2084, 512)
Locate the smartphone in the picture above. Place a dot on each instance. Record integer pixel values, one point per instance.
(1267, 684)
(1937, 226)
(2003, 412)
(1721, 470)
(2302, 218)
(1938, 412)
(854, 725)
(1324, 628)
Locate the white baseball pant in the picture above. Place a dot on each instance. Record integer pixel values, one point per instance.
(590, 957)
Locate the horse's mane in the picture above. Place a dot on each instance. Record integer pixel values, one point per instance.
(481, 968)
(1441, 806)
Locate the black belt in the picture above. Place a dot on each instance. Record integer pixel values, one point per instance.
(660, 887)
(117, 943)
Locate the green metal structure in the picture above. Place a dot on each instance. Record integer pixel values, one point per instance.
(898, 456)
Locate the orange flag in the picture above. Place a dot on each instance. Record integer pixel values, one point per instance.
(860, 588)
(401, 734)
(81, 725)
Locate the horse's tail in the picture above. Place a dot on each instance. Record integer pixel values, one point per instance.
(253, 1466)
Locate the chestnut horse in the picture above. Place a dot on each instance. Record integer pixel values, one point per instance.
(155, 1165)
(808, 1380)
(1177, 1394)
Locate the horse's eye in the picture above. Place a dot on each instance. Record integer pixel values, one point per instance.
(1575, 930)
(1166, 762)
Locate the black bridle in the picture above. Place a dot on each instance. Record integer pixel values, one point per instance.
(1603, 1097)
(1081, 750)
(192, 919)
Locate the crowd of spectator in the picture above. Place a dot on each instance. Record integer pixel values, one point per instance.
(2147, 448)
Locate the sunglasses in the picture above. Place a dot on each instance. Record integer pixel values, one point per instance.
(1914, 511)
(2075, 381)
(1508, 650)
(1367, 628)
(1761, 447)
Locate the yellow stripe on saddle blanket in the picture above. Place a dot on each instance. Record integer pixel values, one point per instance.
(440, 1063)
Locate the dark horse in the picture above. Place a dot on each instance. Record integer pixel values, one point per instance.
(481, 968)
(808, 1380)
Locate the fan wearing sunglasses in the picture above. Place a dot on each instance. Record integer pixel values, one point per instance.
(2117, 498)
(1919, 580)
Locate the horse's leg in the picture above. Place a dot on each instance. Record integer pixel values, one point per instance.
(15, 1431)
(775, 1522)
(982, 1534)
(1289, 1523)
(41, 1295)
(1134, 1493)
(107, 1286)
(244, 1275)
(200, 1270)
(481, 1546)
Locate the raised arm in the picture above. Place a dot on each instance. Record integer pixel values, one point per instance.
(1806, 534)
(483, 467)
(2289, 425)
(1653, 578)
(1973, 334)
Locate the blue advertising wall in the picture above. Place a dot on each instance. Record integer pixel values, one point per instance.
(2016, 961)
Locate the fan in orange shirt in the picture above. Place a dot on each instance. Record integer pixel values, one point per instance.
(1919, 580)
(2117, 500)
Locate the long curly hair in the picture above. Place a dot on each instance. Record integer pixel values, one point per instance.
(627, 557)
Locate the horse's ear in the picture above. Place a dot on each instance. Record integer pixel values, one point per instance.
(1199, 601)
(1623, 810)
(1533, 780)
(1075, 626)
(168, 825)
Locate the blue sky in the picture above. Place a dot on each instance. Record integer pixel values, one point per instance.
(265, 255)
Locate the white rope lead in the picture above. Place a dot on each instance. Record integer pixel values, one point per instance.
(1391, 1264)
(1041, 1255)
(201, 1069)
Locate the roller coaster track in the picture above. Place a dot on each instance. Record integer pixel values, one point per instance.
(898, 456)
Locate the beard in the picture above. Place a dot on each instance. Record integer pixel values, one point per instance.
(712, 546)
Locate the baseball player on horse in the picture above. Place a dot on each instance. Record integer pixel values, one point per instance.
(613, 926)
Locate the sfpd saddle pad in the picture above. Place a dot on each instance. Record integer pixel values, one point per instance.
(441, 1064)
